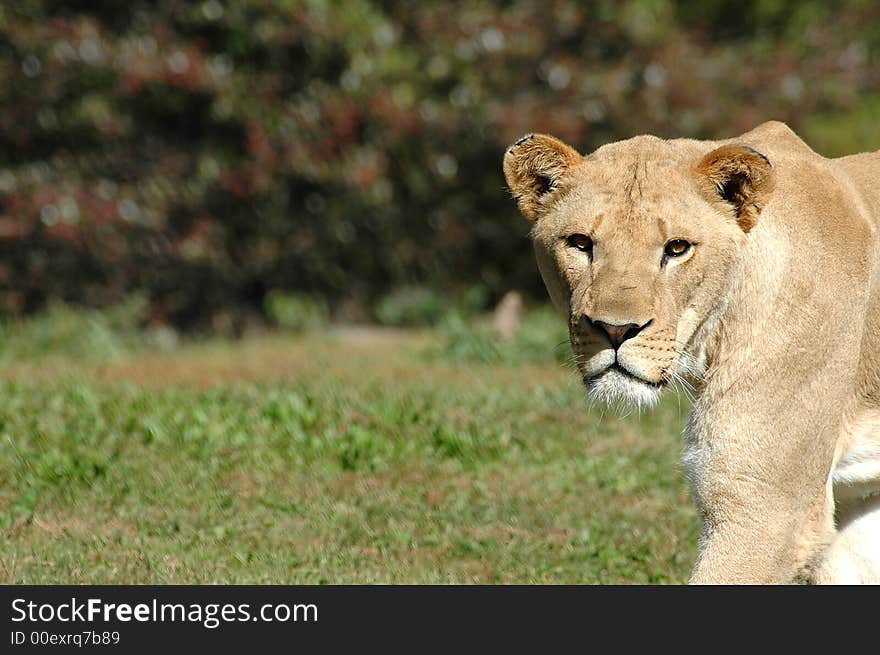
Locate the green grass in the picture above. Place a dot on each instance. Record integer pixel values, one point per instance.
(343, 457)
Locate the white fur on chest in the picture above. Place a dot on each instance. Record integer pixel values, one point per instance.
(857, 472)
(695, 459)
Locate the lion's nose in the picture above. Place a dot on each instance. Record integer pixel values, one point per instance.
(617, 334)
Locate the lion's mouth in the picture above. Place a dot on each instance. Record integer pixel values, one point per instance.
(618, 385)
(616, 366)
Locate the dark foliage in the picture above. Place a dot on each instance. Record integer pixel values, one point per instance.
(207, 153)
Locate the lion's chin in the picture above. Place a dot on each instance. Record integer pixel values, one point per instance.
(615, 387)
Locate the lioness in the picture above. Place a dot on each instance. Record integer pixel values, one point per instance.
(750, 269)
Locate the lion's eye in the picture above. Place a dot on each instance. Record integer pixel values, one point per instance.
(676, 248)
(580, 241)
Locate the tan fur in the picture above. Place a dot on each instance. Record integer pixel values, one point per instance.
(771, 319)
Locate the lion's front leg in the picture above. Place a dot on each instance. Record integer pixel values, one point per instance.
(773, 548)
(764, 499)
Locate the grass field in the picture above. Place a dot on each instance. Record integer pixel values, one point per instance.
(349, 456)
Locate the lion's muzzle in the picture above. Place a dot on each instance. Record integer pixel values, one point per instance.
(621, 361)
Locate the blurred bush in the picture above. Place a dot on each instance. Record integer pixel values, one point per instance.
(68, 331)
(295, 311)
(412, 306)
(477, 340)
(208, 152)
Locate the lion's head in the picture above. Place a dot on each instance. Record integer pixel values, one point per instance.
(637, 243)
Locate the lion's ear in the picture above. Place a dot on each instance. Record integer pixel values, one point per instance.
(740, 176)
(533, 167)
